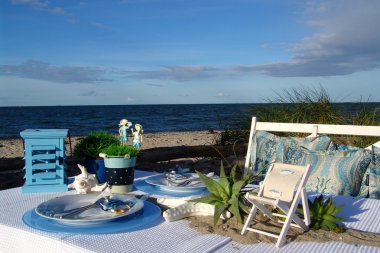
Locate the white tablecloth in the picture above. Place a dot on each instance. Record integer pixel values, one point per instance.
(162, 236)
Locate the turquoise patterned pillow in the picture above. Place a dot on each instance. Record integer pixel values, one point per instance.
(371, 180)
(370, 185)
(332, 172)
(266, 145)
(364, 188)
(374, 182)
(318, 143)
(263, 152)
(293, 148)
(344, 147)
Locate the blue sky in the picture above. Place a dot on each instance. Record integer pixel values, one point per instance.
(72, 52)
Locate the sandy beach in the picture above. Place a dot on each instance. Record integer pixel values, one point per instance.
(160, 152)
(13, 148)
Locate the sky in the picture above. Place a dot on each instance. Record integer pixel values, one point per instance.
(102, 52)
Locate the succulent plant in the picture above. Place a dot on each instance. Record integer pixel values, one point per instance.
(225, 194)
(323, 214)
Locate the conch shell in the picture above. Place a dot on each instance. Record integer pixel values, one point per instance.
(86, 182)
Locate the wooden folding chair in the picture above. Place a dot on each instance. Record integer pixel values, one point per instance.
(283, 188)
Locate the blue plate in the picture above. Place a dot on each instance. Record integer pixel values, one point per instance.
(90, 216)
(146, 217)
(162, 183)
(158, 191)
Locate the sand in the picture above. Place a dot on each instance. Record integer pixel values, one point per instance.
(160, 152)
(232, 229)
(12, 148)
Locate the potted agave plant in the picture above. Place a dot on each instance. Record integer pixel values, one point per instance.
(120, 161)
(89, 148)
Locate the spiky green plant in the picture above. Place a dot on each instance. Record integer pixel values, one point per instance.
(91, 145)
(120, 150)
(323, 214)
(225, 194)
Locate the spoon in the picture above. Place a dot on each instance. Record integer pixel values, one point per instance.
(78, 210)
(189, 180)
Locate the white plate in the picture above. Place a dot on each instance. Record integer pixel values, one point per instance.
(163, 184)
(90, 216)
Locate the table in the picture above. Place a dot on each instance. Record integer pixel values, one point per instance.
(161, 236)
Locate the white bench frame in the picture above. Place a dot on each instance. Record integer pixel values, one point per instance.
(312, 129)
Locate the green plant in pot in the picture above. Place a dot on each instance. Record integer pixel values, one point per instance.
(89, 148)
(120, 161)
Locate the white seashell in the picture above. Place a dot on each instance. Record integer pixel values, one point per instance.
(86, 182)
(191, 209)
(99, 187)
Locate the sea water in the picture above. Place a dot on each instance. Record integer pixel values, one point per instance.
(81, 120)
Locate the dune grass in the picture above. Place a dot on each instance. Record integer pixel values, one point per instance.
(304, 105)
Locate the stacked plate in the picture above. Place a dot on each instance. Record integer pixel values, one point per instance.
(189, 183)
(173, 186)
(121, 213)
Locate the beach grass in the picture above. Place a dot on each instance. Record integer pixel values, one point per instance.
(303, 105)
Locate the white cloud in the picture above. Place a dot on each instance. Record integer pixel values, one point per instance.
(43, 71)
(154, 84)
(178, 73)
(347, 41)
(221, 95)
(42, 5)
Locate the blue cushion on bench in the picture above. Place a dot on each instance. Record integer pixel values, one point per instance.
(263, 152)
(265, 146)
(370, 186)
(294, 146)
(333, 171)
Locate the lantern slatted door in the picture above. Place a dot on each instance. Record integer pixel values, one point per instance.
(45, 160)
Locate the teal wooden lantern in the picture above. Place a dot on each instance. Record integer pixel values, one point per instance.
(44, 157)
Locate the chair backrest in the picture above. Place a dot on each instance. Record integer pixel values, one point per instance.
(282, 180)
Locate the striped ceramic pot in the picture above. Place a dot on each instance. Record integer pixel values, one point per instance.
(120, 173)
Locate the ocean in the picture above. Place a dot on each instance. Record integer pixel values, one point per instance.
(81, 120)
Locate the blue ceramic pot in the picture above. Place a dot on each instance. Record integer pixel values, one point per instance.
(96, 167)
